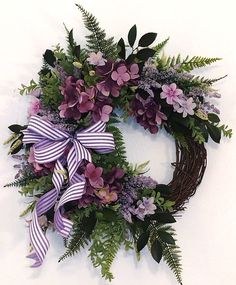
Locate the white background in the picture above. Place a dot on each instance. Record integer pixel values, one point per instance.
(207, 229)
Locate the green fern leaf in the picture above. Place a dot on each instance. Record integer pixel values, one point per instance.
(97, 40)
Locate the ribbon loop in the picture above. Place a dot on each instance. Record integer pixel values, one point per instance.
(53, 145)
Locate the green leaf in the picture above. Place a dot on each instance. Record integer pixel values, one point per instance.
(107, 215)
(49, 57)
(17, 149)
(132, 35)
(213, 118)
(163, 217)
(71, 38)
(166, 237)
(142, 240)
(163, 188)
(214, 132)
(121, 46)
(145, 53)
(156, 250)
(16, 128)
(147, 39)
(77, 50)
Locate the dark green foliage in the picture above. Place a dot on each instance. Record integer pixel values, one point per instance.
(97, 40)
(214, 132)
(147, 39)
(156, 250)
(49, 57)
(132, 35)
(121, 48)
(142, 240)
(145, 53)
(164, 236)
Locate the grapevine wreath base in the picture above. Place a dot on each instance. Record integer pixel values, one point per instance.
(72, 162)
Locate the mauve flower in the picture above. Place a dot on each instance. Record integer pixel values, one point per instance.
(186, 107)
(102, 108)
(121, 75)
(34, 107)
(107, 85)
(106, 195)
(96, 59)
(148, 113)
(171, 93)
(94, 175)
(105, 113)
(77, 98)
(134, 70)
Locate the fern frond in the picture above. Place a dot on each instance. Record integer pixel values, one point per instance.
(29, 209)
(171, 255)
(21, 182)
(159, 47)
(97, 40)
(83, 225)
(196, 62)
(171, 252)
(186, 64)
(106, 241)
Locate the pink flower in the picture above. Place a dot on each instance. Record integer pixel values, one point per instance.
(96, 59)
(121, 75)
(94, 175)
(171, 93)
(107, 86)
(34, 107)
(106, 196)
(186, 107)
(134, 69)
(105, 112)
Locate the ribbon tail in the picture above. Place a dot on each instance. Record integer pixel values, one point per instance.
(74, 192)
(38, 239)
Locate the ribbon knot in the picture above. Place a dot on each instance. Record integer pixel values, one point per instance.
(53, 145)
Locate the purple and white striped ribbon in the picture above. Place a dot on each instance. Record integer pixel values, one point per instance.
(50, 145)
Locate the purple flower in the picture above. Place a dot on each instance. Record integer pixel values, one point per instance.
(34, 107)
(134, 70)
(94, 175)
(171, 93)
(145, 207)
(96, 59)
(106, 195)
(77, 98)
(186, 107)
(121, 75)
(148, 113)
(102, 108)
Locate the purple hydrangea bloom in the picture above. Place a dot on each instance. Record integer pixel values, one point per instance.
(148, 113)
(77, 98)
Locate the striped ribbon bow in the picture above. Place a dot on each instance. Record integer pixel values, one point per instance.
(53, 145)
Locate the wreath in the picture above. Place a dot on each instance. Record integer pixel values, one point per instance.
(72, 161)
